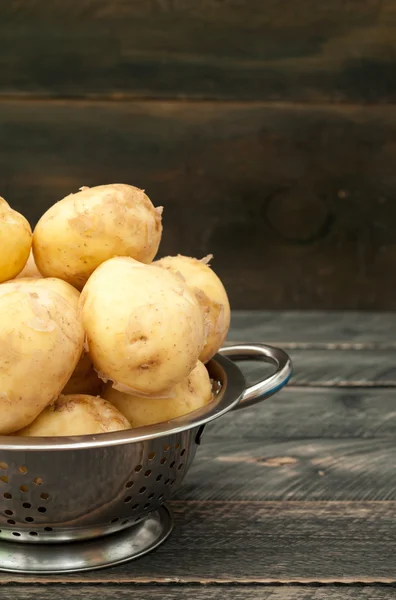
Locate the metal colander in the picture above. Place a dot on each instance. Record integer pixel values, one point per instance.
(71, 489)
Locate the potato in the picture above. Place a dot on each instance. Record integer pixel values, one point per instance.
(15, 241)
(144, 328)
(30, 269)
(84, 379)
(188, 395)
(77, 414)
(41, 341)
(210, 294)
(67, 291)
(84, 229)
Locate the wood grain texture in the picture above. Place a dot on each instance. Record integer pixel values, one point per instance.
(307, 50)
(300, 445)
(260, 186)
(262, 542)
(330, 330)
(171, 592)
(343, 368)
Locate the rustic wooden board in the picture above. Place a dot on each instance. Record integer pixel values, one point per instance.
(300, 445)
(260, 186)
(315, 329)
(312, 414)
(262, 542)
(200, 592)
(323, 368)
(308, 50)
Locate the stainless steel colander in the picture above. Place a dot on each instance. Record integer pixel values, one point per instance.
(84, 488)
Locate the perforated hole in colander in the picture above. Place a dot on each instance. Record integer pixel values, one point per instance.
(128, 499)
(138, 468)
(8, 512)
(7, 496)
(38, 481)
(24, 488)
(151, 456)
(4, 478)
(163, 460)
(45, 496)
(148, 473)
(182, 453)
(42, 509)
(27, 505)
(22, 469)
(3, 466)
(129, 484)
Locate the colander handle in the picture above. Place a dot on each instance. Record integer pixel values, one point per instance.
(271, 384)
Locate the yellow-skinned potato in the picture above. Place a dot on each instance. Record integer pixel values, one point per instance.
(41, 341)
(67, 291)
(85, 229)
(144, 327)
(30, 269)
(76, 414)
(188, 395)
(84, 379)
(15, 241)
(210, 294)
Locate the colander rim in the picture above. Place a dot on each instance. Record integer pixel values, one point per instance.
(220, 368)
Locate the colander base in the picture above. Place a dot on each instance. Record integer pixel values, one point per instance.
(98, 553)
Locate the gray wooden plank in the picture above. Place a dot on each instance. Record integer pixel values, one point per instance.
(237, 180)
(262, 542)
(315, 329)
(169, 592)
(328, 368)
(300, 445)
(307, 51)
(313, 413)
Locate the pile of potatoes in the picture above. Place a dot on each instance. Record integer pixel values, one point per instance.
(95, 336)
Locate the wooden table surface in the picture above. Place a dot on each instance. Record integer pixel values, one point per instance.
(292, 499)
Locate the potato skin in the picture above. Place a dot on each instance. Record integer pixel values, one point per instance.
(188, 395)
(30, 269)
(78, 414)
(144, 328)
(41, 341)
(67, 291)
(85, 229)
(84, 379)
(15, 241)
(211, 295)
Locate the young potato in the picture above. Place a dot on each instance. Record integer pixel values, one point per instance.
(188, 395)
(144, 328)
(84, 379)
(211, 295)
(67, 291)
(84, 229)
(77, 414)
(41, 341)
(30, 269)
(15, 241)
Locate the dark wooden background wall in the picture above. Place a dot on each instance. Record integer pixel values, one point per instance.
(267, 129)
